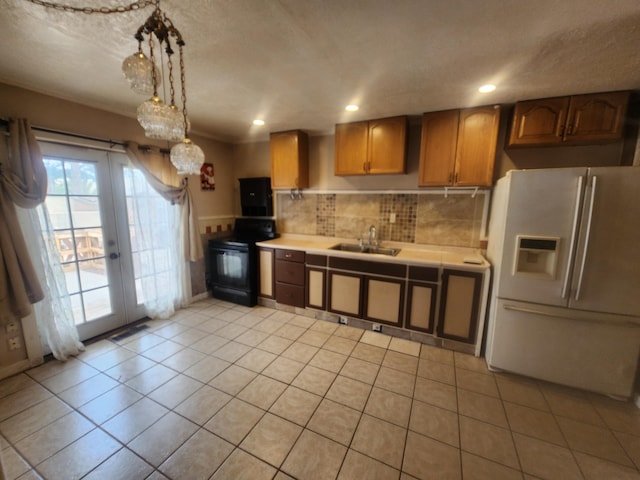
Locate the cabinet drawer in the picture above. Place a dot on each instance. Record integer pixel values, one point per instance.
(290, 294)
(425, 274)
(317, 260)
(364, 266)
(290, 272)
(290, 255)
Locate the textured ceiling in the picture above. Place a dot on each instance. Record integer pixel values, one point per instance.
(297, 63)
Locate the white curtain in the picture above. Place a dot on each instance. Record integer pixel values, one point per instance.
(171, 243)
(162, 273)
(25, 183)
(54, 315)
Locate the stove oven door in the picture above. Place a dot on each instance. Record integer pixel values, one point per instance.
(232, 275)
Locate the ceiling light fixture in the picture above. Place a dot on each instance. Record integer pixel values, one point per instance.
(162, 120)
(487, 88)
(159, 119)
(258, 122)
(352, 108)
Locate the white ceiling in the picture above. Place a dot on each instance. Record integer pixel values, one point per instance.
(297, 63)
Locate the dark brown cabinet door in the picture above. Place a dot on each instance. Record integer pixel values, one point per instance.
(595, 118)
(290, 277)
(539, 122)
(576, 120)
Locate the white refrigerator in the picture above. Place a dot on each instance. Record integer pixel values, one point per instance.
(565, 304)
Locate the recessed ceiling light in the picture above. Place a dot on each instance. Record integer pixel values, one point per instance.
(487, 88)
(351, 108)
(258, 122)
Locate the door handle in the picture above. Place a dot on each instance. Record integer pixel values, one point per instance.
(114, 256)
(572, 244)
(586, 238)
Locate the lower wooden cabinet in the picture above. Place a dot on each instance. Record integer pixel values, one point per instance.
(370, 290)
(383, 300)
(459, 305)
(316, 281)
(345, 293)
(289, 276)
(444, 302)
(265, 271)
(422, 298)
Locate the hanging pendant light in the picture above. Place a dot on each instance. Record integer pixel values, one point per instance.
(137, 69)
(161, 119)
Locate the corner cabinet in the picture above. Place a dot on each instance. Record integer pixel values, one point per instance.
(458, 147)
(374, 147)
(575, 120)
(289, 160)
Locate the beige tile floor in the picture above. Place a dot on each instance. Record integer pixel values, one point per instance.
(228, 392)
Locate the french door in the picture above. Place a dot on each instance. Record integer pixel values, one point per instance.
(86, 200)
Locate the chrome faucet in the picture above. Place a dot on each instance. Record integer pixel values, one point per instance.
(373, 240)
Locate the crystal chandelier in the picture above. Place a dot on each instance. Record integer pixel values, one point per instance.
(159, 119)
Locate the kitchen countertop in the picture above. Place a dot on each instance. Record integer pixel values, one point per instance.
(410, 253)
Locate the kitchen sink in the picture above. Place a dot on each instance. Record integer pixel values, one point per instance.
(352, 247)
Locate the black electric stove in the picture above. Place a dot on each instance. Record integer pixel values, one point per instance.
(233, 261)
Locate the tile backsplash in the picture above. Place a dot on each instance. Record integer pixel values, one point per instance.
(454, 220)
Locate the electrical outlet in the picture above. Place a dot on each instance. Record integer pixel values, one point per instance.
(376, 327)
(12, 327)
(14, 343)
(392, 218)
(342, 320)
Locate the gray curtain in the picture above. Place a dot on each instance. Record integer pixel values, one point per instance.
(23, 182)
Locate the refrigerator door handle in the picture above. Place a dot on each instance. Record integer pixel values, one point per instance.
(586, 238)
(534, 311)
(572, 243)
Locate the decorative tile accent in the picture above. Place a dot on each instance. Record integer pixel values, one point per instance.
(419, 218)
(326, 215)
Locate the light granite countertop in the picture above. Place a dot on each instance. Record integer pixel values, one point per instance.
(410, 254)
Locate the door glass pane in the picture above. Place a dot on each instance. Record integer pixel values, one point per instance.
(74, 206)
(81, 178)
(58, 211)
(85, 212)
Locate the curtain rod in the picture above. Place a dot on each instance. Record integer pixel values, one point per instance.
(5, 122)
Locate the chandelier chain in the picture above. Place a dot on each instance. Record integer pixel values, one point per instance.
(184, 93)
(137, 5)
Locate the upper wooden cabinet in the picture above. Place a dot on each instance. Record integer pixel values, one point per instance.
(579, 119)
(289, 160)
(374, 147)
(458, 147)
